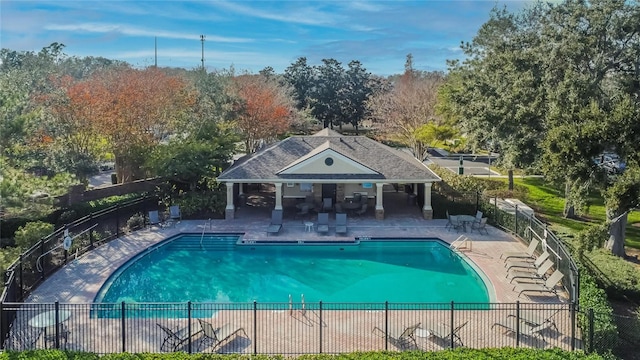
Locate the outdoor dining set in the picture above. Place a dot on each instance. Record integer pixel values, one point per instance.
(467, 222)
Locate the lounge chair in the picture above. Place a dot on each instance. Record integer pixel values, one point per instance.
(327, 204)
(528, 254)
(445, 332)
(175, 215)
(323, 223)
(537, 317)
(341, 223)
(539, 276)
(219, 336)
(527, 329)
(478, 216)
(549, 285)
(480, 226)
(401, 337)
(362, 210)
(174, 339)
(276, 222)
(154, 218)
(527, 264)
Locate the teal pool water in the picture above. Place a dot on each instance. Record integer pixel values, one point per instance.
(216, 269)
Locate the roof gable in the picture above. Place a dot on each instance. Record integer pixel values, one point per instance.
(324, 160)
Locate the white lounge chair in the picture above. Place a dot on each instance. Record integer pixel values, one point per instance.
(527, 264)
(549, 285)
(341, 223)
(528, 254)
(401, 337)
(539, 276)
(276, 222)
(323, 223)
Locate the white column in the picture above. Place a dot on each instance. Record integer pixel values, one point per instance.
(415, 189)
(278, 196)
(240, 192)
(379, 196)
(427, 197)
(230, 204)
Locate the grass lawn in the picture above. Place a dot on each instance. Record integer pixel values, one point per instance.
(549, 203)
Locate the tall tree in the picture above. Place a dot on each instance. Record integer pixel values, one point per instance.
(327, 99)
(409, 105)
(359, 87)
(264, 110)
(300, 76)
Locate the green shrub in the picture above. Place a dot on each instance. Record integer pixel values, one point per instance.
(623, 278)
(29, 234)
(605, 331)
(136, 221)
(459, 353)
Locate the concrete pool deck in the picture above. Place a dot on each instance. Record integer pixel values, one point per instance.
(276, 330)
(81, 279)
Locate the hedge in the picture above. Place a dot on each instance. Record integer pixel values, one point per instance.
(460, 353)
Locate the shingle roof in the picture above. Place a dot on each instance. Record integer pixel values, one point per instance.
(389, 163)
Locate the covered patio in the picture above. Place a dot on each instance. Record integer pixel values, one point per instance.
(328, 172)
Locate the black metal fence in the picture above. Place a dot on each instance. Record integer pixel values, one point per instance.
(48, 255)
(287, 328)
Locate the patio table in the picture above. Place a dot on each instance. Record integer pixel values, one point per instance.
(466, 220)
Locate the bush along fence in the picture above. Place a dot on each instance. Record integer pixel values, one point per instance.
(49, 254)
(288, 328)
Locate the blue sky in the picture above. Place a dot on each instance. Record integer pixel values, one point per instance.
(250, 35)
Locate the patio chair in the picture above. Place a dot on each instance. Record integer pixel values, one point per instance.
(23, 338)
(538, 276)
(401, 337)
(323, 223)
(357, 197)
(363, 210)
(63, 334)
(341, 223)
(174, 339)
(276, 222)
(175, 215)
(448, 221)
(304, 211)
(445, 332)
(478, 216)
(309, 200)
(527, 264)
(455, 223)
(327, 204)
(528, 254)
(480, 226)
(154, 218)
(511, 325)
(549, 285)
(219, 336)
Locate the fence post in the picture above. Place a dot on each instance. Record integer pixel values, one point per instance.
(117, 221)
(57, 320)
(189, 324)
(452, 326)
(255, 327)
(572, 308)
(477, 201)
(590, 347)
(41, 254)
(515, 230)
(320, 315)
(386, 325)
(122, 323)
(3, 335)
(91, 232)
(20, 294)
(495, 209)
(518, 323)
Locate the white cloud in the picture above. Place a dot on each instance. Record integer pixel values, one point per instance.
(301, 15)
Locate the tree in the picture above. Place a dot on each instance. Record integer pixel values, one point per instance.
(263, 110)
(408, 106)
(327, 98)
(359, 88)
(301, 78)
(134, 109)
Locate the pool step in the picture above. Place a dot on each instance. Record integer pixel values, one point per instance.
(205, 244)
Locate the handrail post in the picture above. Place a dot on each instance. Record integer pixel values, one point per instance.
(515, 230)
(21, 293)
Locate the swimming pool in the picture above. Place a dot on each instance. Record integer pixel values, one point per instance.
(222, 269)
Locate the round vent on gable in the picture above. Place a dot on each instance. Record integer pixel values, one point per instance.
(328, 161)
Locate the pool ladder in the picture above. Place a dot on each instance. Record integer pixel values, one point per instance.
(204, 228)
(462, 242)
